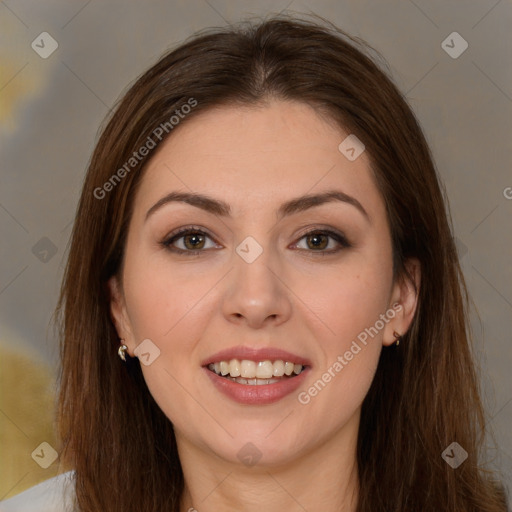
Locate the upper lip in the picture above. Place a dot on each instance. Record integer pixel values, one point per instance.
(255, 354)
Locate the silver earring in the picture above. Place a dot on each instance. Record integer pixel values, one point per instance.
(121, 351)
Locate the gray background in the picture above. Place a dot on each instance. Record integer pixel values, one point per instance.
(51, 110)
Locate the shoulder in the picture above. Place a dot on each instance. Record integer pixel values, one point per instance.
(53, 495)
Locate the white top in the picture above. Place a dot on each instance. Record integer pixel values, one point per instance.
(53, 495)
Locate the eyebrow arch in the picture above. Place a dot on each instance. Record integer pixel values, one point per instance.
(296, 205)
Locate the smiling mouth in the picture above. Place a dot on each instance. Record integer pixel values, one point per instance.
(256, 373)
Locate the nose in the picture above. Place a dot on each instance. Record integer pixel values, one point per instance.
(256, 293)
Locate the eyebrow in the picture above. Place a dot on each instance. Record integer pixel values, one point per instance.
(296, 205)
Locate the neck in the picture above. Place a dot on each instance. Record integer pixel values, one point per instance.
(323, 478)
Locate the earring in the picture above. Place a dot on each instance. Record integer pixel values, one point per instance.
(121, 351)
(398, 337)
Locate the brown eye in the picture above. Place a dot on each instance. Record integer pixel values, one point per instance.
(188, 240)
(317, 241)
(193, 241)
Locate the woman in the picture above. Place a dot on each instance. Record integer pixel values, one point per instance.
(262, 239)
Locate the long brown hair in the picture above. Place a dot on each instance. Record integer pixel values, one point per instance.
(425, 394)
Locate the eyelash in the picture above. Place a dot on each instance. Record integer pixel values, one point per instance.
(172, 237)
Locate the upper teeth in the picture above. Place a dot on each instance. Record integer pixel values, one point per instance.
(252, 369)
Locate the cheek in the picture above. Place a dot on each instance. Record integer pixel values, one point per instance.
(347, 299)
(161, 299)
(350, 304)
(165, 306)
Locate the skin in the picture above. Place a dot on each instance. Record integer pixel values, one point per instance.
(291, 297)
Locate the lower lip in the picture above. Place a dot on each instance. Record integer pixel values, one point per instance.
(256, 394)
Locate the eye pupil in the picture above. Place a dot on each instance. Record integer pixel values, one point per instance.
(196, 237)
(315, 238)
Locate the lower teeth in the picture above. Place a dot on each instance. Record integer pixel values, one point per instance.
(253, 382)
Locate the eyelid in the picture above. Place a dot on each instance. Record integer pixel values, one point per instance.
(186, 229)
(319, 228)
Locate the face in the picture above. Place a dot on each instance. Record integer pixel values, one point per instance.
(252, 279)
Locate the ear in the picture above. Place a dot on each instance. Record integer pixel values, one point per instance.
(403, 301)
(118, 312)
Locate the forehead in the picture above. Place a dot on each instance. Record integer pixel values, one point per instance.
(245, 154)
